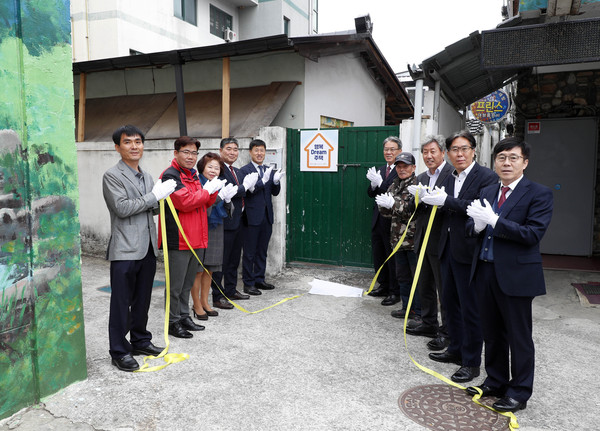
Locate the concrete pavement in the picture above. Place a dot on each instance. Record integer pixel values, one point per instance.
(313, 363)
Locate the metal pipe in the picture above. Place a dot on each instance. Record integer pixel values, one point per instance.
(416, 139)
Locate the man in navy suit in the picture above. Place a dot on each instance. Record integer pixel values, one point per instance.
(456, 255)
(507, 273)
(430, 279)
(381, 179)
(232, 227)
(258, 219)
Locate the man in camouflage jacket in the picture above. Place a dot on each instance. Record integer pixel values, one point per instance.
(399, 204)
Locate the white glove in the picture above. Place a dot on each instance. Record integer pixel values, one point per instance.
(163, 189)
(267, 175)
(214, 185)
(278, 174)
(420, 189)
(227, 192)
(435, 197)
(375, 177)
(482, 215)
(250, 181)
(385, 200)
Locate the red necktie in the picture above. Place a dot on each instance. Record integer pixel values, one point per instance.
(503, 195)
(387, 171)
(236, 180)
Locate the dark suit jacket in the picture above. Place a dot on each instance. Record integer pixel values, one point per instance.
(258, 203)
(385, 185)
(523, 220)
(455, 217)
(233, 222)
(424, 211)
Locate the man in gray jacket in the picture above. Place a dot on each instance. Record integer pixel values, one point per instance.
(131, 196)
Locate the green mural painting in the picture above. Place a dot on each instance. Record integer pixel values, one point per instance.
(42, 345)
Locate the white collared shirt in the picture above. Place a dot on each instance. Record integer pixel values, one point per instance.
(459, 179)
(434, 177)
(511, 187)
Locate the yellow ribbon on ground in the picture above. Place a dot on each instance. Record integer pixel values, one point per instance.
(174, 213)
(169, 358)
(513, 424)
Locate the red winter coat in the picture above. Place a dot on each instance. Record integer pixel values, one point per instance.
(191, 201)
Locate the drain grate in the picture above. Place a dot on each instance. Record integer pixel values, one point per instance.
(591, 290)
(446, 408)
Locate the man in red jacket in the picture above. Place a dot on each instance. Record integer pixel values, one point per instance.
(190, 200)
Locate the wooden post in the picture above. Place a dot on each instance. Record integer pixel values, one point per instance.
(225, 102)
(81, 116)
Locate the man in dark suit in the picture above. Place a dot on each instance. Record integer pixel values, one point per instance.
(456, 255)
(507, 273)
(258, 219)
(131, 197)
(430, 279)
(381, 179)
(232, 246)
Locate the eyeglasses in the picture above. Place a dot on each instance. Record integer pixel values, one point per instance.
(390, 150)
(513, 158)
(462, 150)
(189, 153)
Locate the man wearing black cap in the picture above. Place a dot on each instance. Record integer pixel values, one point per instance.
(399, 204)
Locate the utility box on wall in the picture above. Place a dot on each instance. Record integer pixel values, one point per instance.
(41, 314)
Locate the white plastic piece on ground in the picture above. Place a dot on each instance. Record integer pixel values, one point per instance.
(322, 287)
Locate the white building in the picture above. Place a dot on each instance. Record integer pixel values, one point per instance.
(116, 28)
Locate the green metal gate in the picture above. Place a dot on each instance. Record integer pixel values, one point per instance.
(329, 213)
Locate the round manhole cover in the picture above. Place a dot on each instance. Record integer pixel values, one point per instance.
(444, 407)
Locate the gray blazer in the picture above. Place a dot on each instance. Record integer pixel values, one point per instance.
(131, 214)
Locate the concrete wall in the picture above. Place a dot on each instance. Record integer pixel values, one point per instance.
(341, 87)
(93, 159)
(42, 345)
(267, 18)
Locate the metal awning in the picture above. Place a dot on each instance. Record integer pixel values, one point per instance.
(460, 71)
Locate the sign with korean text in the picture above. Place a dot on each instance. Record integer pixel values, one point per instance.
(318, 150)
(492, 108)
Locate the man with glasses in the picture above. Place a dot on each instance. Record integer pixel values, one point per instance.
(507, 273)
(131, 197)
(456, 255)
(190, 200)
(381, 179)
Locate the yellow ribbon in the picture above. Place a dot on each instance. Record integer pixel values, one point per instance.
(169, 358)
(513, 424)
(239, 307)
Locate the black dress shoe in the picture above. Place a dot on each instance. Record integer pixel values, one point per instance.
(486, 391)
(264, 286)
(203, 316)
(446, 357)
(508, 404)
(223, 304)
(126, 363)
(189, 324)
(211, 313)
(150, 349)
(176, 330)
(251, 290)
(238, 295)
(379, 292)
(391, 300)
(438, 343)
(465, 374)
(422, 330)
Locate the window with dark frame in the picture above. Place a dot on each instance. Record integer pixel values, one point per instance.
(286, 26)
(315, 16)
(219, 22)
(185, 10)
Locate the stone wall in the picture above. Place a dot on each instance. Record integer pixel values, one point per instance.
(561, 95)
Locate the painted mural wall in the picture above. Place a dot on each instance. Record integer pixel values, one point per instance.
(42, 345)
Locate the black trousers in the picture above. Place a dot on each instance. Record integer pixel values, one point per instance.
(381, 249)
(232, 253)
(430, 289)
(131, 290)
